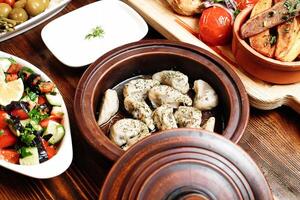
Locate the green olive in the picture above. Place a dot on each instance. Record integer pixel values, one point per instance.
(18, 14)
(34, 7)
(46, 3)
(4, 9)
(20, 4)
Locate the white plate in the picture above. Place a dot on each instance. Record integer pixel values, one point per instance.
(55, 7)
(65, 36)
(62, 160)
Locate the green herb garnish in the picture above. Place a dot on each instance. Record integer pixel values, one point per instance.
(24, 153)
(36, 116)
(218, 1)
(292, 8)
(1, 132)
(27, 138)
(25, 70)
(27, 135)
(32, 96)
(236, 12)
(12, 60)
(273, 40)
(94, 33)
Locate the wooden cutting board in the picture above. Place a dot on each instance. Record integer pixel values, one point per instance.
(180, 28)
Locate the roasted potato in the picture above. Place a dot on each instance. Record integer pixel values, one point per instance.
(262, 42)
(287, 46)
(277, 14)
(293, 52)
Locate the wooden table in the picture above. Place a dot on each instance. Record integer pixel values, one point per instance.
(272, 138)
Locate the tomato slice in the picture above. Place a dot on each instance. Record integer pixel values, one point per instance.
(14, 68)
(42, 100)
(11, 77)
(215, 26)
(46, 87)
(242, 4)
(20, 113)
(3, 117)
(9, 155)
(7, 139)
(44, 123)
(51, 150)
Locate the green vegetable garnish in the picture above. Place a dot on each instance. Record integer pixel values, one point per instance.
(12, 60)
(236, 12)
(27, 138)
(27, 135)
(273, 40)
(36, 116)
(32, 96)
(1, 132)
(24, 153)
(218, 1)
(95, 32)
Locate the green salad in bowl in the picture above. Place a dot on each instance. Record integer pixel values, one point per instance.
(33, 116)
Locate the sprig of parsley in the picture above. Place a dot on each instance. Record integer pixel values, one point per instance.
(24, 153)
(27, 135)
(36, 116)
(95, 32)
(32, 96)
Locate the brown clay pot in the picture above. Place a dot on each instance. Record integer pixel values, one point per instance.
(185, 164)
(258, 65)
(146, 58)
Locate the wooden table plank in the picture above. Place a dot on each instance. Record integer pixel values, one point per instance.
(272, 138)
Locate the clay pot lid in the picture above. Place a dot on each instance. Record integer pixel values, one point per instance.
(185, 164)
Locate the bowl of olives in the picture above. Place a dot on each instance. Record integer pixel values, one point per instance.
(18, 16)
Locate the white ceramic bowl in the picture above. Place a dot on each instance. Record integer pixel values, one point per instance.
(62, 160)
(55, 7)
(65, 36)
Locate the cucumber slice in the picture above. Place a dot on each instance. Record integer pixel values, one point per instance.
(56, 130)
(57, 111)
(35, 125)
(60, 132)
(32, 159)
(5, 64)
(25, 122)
(55, 99)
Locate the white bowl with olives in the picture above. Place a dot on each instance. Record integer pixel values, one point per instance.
(18, 16)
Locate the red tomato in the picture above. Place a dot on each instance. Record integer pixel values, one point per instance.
(242, 4)
(14, 68)
(20, 113)
(42, 100)
(46, 87)
(51, 151)
(44, 122)
(7, 139)
(11, 77)
(215, 26)
(9, 155)
(3, 118)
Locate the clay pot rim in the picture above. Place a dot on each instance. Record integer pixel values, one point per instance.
(270, 62)
(108, 148)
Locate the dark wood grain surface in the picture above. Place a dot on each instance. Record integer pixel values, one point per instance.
(272, 138)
